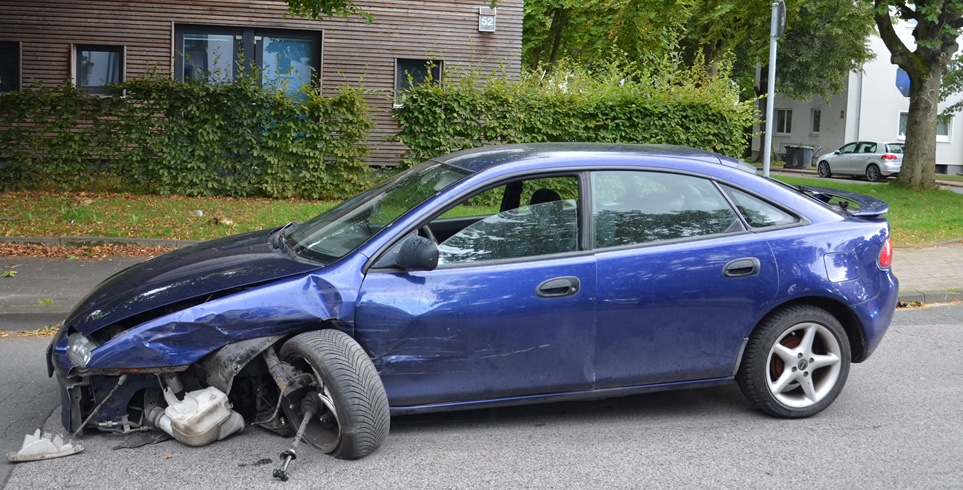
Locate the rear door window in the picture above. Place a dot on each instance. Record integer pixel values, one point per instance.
(632, 207)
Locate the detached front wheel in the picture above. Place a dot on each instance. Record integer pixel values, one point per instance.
(345, 393)
(796, 363)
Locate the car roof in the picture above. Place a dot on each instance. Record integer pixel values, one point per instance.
(879, 142)
(486, 158)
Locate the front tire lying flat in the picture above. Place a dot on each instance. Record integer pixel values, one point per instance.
(796, 362)
(354, 418)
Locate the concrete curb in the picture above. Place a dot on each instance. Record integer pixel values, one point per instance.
(929, 297)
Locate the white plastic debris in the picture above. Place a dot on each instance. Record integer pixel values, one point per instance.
(39, 446)
(202, 417)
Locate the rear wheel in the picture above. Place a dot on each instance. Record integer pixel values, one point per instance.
(350, 406)
(824, 170)
(873, 174)
(796, 362)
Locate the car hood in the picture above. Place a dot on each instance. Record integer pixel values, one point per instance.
(184, 274)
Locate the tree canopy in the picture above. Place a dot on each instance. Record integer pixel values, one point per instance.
(824, 42)
(319, 9)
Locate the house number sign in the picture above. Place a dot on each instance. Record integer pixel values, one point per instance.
(486, 19)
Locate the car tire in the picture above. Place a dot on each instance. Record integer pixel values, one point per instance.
(872, 173)
(796, 362)
(346, 381)
(823, 170)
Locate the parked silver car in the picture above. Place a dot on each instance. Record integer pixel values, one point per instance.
(872, 159)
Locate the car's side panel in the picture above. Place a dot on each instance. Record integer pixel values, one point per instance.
(836, 260)
(843, 266)
(668, 313)
(479, 332)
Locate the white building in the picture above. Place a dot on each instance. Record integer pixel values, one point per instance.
(870, 108)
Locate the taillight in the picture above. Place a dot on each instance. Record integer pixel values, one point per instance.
(886, 254)
(889, 156)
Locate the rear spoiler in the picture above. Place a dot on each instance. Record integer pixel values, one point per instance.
(867, 207)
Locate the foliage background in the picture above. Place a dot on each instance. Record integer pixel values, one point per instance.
(621, 104)
(189, 138)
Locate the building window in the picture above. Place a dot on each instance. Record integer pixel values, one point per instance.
(98, 67)
(816, 116)
(412, 72)
(207, 56)
(287, 60)
(783, 121)
(944, 125)
(9, 66)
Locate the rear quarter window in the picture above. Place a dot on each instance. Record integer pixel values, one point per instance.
(759, 213)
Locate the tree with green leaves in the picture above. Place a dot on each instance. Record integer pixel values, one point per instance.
(319, 9)
(938, 24)
(592, 31)
(824, 42)
(825, 39)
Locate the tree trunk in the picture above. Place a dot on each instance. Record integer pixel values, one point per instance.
(559, 19)
(919, 156)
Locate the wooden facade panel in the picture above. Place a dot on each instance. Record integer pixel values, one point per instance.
(353, 51)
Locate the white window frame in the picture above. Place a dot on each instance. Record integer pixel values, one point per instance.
(940, 138)
(786, 128)
(947, 127)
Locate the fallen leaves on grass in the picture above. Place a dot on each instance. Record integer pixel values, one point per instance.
(47, 331)
(92, 252)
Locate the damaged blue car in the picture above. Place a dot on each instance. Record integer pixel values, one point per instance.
(491, 277)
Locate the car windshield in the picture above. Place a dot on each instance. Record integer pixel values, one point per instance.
(334, 233)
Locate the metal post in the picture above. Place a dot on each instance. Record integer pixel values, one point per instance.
(776, 26)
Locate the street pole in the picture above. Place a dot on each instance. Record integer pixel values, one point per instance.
(777, 25)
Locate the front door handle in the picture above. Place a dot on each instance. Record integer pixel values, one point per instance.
(558, 287)
(748, 266)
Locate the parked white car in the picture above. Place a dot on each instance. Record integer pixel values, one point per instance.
(874, 160)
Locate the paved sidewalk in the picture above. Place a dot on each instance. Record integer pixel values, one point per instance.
(931, 274)
(43, 291)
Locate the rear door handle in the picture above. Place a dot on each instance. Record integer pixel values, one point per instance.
(558, 287)
(747, 266)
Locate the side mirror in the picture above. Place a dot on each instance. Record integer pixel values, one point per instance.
(836, 152)
(417, 254)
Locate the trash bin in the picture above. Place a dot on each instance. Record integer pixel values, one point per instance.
(799, 156)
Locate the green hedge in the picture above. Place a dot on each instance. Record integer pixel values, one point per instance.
(689, 108)
(192, 138)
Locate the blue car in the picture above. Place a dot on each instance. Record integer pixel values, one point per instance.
(491, 277)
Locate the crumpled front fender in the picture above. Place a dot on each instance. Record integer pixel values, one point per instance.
(182, 338)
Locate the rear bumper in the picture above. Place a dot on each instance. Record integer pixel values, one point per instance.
(876, 314)
(890, 170)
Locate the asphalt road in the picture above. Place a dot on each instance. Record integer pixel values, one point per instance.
(898, 424)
